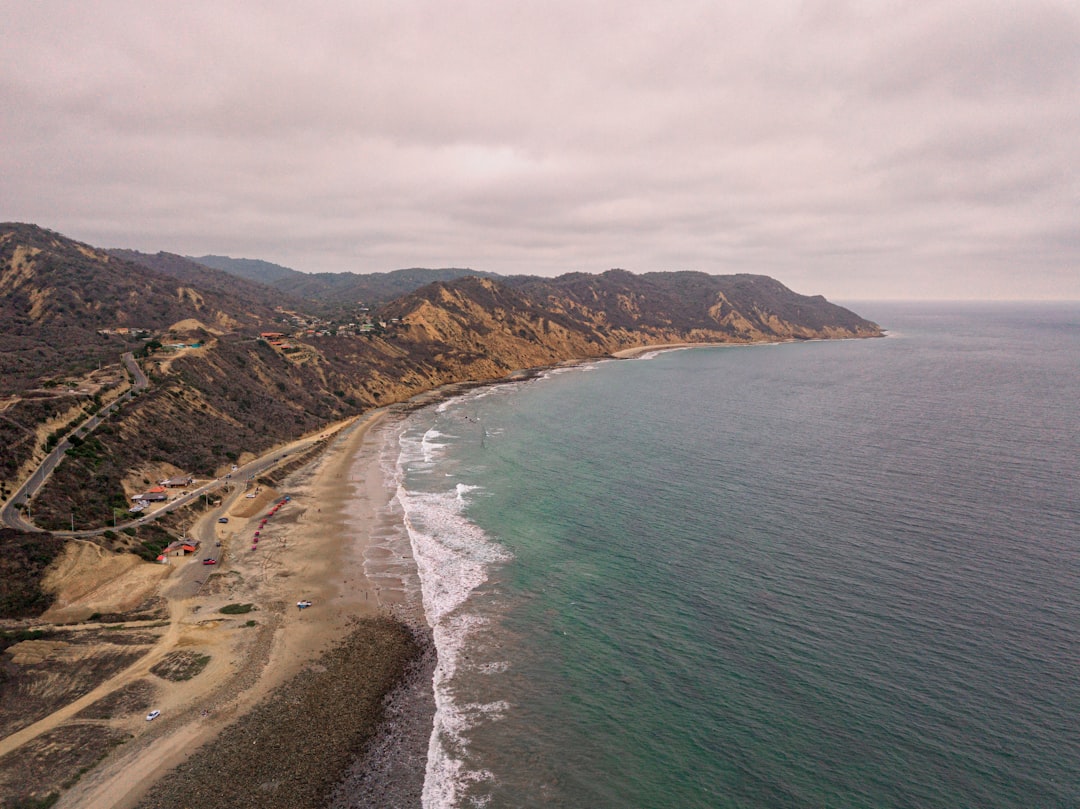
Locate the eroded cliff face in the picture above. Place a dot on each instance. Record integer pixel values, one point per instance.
(480, 328)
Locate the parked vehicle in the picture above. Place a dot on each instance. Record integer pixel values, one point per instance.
(209, 561)
(223, 519)
(150, 717)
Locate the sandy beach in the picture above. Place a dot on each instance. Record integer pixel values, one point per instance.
(283, 687)
(632, 353)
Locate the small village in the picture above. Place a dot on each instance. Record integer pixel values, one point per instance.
(296, 326)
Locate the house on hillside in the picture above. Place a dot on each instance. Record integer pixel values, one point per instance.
(180, 547)
(152, 495)
(178, 482)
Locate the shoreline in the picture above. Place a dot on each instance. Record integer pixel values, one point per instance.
(315, 550)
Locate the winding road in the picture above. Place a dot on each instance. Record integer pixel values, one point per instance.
(10, 514)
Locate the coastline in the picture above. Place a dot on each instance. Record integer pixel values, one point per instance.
(315, 550)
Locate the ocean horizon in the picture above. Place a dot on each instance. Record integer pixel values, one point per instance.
(829, 573)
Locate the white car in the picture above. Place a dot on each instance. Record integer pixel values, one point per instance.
(150, 717)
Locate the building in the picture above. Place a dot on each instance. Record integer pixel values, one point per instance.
(181, 547)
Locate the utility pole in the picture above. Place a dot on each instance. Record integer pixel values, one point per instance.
(73, 522)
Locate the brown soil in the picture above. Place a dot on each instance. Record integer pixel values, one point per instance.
(248, 508)
(44, 675)
(31, 772)
(88, 579)
(134, 698)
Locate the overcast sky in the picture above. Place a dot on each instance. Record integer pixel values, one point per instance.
(859, 150)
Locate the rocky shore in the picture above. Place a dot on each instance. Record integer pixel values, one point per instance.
(391, 769)
(294, 748)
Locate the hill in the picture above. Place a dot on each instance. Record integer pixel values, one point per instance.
(58, 294)
(250, 269)
(234, 370)
(371, 289)
(261, 302)
(695, 306)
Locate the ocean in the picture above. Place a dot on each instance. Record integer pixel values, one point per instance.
(817, 574)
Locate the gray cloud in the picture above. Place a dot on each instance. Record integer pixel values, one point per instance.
(858, 149)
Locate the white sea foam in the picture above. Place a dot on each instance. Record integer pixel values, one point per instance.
(651, 355)
(463, 489)
(453, 557)
(551, 373)
(483, 393)
(430, 447)
(447, 775)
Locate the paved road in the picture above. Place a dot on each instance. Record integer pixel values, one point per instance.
(137, 375)
(239, 477)
(9, 515)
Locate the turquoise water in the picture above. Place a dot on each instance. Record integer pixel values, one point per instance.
(837, 574)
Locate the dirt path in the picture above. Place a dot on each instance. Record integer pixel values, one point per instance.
(133, 672)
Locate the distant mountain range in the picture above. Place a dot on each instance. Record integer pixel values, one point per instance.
(372, 289)
(244, 354)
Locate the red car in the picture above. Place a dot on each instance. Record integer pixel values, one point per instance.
(209, 561)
